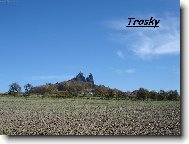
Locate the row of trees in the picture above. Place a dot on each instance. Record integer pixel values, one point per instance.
(141, 94)
(73, 89)
(15, 89)
(144, 94)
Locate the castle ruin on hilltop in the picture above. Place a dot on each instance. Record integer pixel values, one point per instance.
(80, 77)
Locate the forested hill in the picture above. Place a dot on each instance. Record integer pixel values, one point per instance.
(80, 86)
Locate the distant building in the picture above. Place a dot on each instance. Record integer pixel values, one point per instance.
(90, 93)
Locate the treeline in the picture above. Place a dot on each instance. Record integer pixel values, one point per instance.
(140, 94)
(86, 89)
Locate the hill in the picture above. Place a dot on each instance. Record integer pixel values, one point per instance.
(79, 86)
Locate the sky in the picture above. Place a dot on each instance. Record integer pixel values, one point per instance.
(50, 41)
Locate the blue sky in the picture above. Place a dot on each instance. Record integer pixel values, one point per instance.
(52, 40)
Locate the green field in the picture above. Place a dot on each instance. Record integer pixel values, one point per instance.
(56, 116)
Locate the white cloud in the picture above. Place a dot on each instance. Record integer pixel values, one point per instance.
(120, 54)
(126, 71)
(149, 42)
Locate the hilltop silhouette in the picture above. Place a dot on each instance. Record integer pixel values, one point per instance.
(79, 86)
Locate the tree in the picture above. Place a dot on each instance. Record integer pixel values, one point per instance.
(172, 95)
(161, 95)
(39, 90)
(153, 95)
(28, 88)
(110, 94)
(142, 94)
(14, 89)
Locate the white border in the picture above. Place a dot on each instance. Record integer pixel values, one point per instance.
(134, 140)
